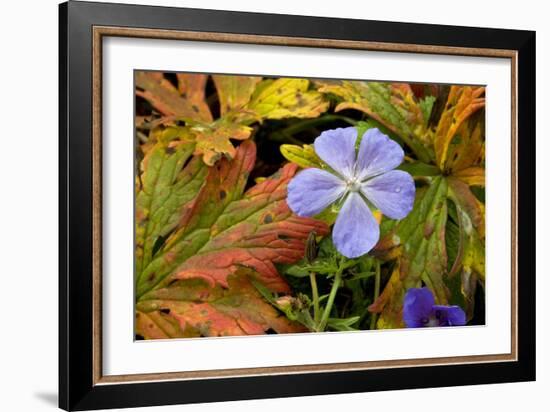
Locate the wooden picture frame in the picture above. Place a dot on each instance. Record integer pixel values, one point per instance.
(82, 385)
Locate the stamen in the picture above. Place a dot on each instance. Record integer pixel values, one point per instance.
(353, 185)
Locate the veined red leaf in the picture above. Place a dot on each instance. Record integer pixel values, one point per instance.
(226, 230)
(192, 307)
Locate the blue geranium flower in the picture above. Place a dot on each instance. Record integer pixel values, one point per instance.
(420, 310)
(357, 181)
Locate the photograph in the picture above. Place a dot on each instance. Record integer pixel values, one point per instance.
(277, 205)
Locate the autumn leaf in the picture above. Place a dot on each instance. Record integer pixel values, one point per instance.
(184, 101)
(169, 182)
(472, 176)
(214, 140)
(454, 130)
(464, 199)
(392, 104)
(234, 91)
(286, 98)
(192, 307)
(419, 243)
(226, 229)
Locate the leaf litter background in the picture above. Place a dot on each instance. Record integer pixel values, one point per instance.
(219, 253)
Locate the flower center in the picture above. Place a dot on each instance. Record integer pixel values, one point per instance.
(353, 185)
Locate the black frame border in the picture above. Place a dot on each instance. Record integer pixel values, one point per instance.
(77, 390)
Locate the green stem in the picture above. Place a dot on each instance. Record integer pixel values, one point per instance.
(376, 293)
(315, 293)
(330, 302)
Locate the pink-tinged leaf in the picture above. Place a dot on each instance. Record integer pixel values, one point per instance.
(226, 230)
(193, 307)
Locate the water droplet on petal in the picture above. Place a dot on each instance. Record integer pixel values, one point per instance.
(397, 189)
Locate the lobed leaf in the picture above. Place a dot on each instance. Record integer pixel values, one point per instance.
(214, 140)
(419, 240)
(169, 183)
(392, 104)
(234, 92)
(283, 98)
(226, 230)
(185, 101)
(472, 176)
(454, 129)
(192, 307)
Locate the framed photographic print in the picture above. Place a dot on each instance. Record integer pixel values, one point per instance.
(257, 205)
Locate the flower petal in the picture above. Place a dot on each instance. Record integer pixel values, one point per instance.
(449, 315)
(417, 307)
(392, 193)
(337, 149)
(312, 190)
(355, 231)
(377, 154)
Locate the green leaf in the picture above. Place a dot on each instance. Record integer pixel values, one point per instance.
(328, 262)
(364, 125)
(343, 325)
(319, 266)
(361, 275)
(284, 98)
(462, 284)
(419, 244)
(226, 229)
(168, 184)
(419, 169)
(472, 245)
(426, 105)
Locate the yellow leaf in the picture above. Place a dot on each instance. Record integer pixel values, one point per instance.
(284, 97)
(304, 156)
(472, 176)
(214, 141)
(234, 91)
(463, 101)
